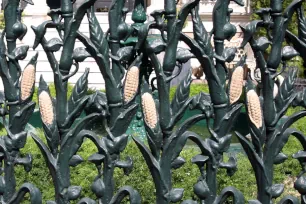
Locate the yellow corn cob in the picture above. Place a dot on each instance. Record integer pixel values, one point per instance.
(236, 85)
(131, 83)
(254, 108)
(149, 110)
(27, 81)
(46, 108)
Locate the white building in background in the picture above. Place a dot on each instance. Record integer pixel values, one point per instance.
(34, 15)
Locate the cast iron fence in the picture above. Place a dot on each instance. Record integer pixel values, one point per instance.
(128, 52)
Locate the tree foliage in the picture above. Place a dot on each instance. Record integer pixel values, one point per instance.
(293, 27)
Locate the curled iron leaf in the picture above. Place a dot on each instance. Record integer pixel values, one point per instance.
(97, 103)
(224, 143)
(289, 121)
(227, 192)
(40, 31)
(125, 53)
(264, 13)
(176, 194)
(201, 189)
(288, 52)
(74, 192)
(277, 190)
(80, 54)
(157, 46)
(158, 16)
(280, 158)
(289, 199)
(278, 141)
(199, 160)
(300, 185)
(98, 188)
(301, 156)
(20, 53)
(230, 166)
(75, 160)
(54, 14)
(78, 139)
(96, 158)
(35, 195)
(124, 191)
(229, 54)
(262, 43)
(118, 145)
(175, 145)
(178, 162)
(126, 165)
(54, 45)
(18, 140)
(202, 102)
(183, 55)
(25, 161)
(249, 31)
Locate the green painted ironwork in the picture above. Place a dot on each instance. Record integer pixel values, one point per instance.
(131, 49)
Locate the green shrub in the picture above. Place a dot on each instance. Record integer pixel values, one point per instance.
(194, 90)
(140, 177)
